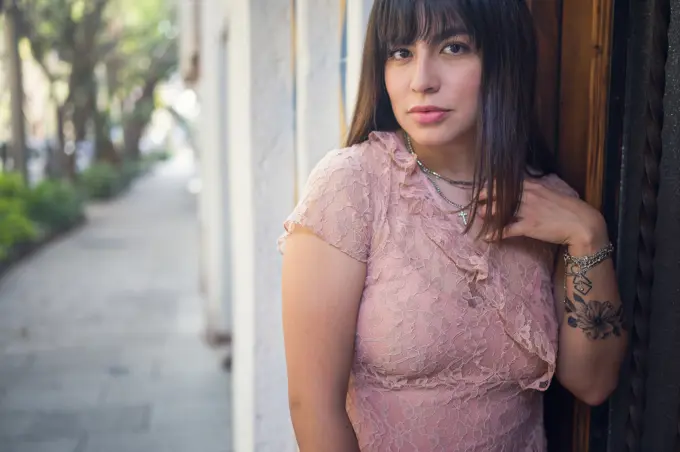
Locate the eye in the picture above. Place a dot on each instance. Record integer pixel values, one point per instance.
(456, 48)
(399, 54)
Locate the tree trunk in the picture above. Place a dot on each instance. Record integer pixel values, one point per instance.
(75, 116)
(139, 119)
(82, 100)
(105, 151)
(133, 135)
(18, 149)
(57, 158)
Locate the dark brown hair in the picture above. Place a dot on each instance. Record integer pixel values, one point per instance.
(502, 31)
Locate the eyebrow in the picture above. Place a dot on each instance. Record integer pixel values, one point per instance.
(449, 33)
(445, 34)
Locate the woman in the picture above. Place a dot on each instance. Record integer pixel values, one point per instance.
(426, 301)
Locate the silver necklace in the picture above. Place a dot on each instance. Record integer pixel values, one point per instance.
(462, 213)
(429, 172)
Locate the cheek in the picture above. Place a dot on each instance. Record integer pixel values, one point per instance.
(464, 87)
(398, 86)
(469, 84)
(392, 87)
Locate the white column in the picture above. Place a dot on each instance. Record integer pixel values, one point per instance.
(358, 12)
(213, 204)
(318, 106)
(261, 175)
(188, 12)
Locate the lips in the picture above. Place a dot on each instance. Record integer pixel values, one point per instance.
(428, 114)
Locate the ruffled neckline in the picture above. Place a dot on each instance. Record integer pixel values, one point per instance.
(414, 183)
(439, 220)
(441, 224)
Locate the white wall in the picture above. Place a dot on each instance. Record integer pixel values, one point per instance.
(358, 12)
(213, 201)
(318, 120)
(189, 46)
(256, 151)
(261, 172)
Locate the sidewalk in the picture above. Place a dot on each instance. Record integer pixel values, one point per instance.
(100, 334)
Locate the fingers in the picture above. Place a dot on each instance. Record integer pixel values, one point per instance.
(494, 207)
(484, 200)
(537, 204)
(483, 209)
(484, 193)
(515, 229)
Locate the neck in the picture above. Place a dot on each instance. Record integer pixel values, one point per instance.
(453, 160)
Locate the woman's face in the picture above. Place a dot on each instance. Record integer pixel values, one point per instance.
(434, 89)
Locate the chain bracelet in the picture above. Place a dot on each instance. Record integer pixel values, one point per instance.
(585, 263)
(579, 266)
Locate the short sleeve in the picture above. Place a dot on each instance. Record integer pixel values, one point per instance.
(558, 185)
(336, 204)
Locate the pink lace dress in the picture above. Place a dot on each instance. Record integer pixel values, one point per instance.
(456, 339)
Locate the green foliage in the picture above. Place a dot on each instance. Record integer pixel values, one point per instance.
(130, 170)
(156, 156)
(104, 180)
(146, 47)
(135, 41)
(101, 181)
(26, 213)
(62, 28)
(12, 185)
(55, 205)
(15, 226)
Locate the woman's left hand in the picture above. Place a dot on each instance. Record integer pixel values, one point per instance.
(552, 217)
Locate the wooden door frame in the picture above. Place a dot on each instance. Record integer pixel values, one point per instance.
(585, 68)
(584, 119)
(609, 145)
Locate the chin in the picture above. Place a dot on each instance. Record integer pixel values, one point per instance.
(434, 136)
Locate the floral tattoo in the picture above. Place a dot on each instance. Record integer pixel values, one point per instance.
(597, 319)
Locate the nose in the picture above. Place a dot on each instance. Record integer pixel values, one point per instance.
(424, 77)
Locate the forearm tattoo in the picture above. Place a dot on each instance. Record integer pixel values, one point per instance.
(597, 319)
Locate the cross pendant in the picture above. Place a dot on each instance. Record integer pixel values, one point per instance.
(463, 214)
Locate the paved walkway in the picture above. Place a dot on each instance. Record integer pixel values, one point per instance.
(100, 347)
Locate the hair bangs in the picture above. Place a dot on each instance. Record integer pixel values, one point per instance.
(403, 22)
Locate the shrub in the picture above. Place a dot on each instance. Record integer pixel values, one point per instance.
(55, 204)
(12, 185)
(15, 226)
(129, 171)
(156, 156)
(101, 181)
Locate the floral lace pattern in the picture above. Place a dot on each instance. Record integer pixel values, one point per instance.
(455, 338)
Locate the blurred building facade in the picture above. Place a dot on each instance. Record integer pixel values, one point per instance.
(275, 81)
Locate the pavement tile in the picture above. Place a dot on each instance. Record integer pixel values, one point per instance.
(101, 334)
(61, 445)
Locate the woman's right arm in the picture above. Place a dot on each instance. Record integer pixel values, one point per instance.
(322, 288)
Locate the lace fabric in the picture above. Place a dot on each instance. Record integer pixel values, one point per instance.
(455, 338)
